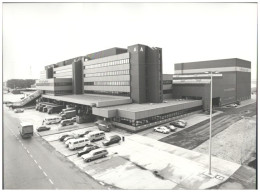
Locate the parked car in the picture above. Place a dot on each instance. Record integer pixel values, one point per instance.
(233, 105)
(19, 110)
(95, 154)
(162, 130)
(87, 149)
(182, 121)
(66, 122)
(43, 128)
(177, 124)
(72, 136)
(73, 119)
(62, 137)
(111, 140)
(171, 127)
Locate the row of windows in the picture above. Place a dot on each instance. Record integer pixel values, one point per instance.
(106, 64)
(166, 82)
(107, 73)
(108, 83)
(152, 119)
(62, 71)
(168, 91)
(118, 93)
(54, 84)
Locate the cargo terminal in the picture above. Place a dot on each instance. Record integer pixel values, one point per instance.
(127, 88)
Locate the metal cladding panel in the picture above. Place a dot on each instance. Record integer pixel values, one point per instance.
(243, 63)
(137, 72)
(49, 73)
(167, 76)
(113, 102)
(106, 53)
(126, 114)
(154, 79)
(166, 87)
(62, 88)
(167, 96)
(226, 87)
(243, 85)
(104, 112)
(197, 90)
(166, 109)
(206, 64)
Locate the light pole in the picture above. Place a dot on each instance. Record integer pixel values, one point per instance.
(210, 119)
(210, 122)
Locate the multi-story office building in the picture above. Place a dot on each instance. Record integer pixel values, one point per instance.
(125, 87)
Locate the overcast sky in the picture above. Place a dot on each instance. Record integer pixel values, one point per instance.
(39, 34)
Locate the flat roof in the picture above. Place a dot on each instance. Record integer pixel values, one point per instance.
(135, 107)
(139, 111)
(92, 99)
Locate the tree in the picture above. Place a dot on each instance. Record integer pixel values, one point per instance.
(20, 83)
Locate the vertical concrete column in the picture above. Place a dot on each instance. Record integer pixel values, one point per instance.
(77, 77)
(138, 73)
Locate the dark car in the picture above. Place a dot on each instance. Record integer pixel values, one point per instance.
(87, 149)
(43, 128)
(113, 139)
(62, 137)
(177, 124)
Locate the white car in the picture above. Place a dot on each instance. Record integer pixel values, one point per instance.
(233, 105)
(182, 121)
(162, 129)
(18, 110)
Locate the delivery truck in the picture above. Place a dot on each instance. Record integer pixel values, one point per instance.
(26, 129)
(55, 109)
(68, 114)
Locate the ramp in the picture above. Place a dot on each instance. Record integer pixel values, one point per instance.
(28, 100)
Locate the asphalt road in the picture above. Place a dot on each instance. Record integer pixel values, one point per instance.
(33, 164)
(195, 135)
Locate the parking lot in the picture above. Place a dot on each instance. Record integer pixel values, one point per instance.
(139, 162)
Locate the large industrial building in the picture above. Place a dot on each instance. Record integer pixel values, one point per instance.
(127, 88)
(231, 81)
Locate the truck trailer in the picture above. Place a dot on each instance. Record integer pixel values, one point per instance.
(26, 129)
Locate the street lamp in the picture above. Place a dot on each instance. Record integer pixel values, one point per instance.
(210, 120)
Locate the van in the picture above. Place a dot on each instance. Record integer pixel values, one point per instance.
(96, 135)
(66, 122)
(78, 143)
(95, 154)
(103, 127)
(52, 120)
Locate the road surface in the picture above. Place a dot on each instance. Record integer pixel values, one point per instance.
(195, 135)
(33, 164)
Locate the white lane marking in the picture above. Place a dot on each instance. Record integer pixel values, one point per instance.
(20, 141)
(24, 147)
(50, 181)
(22, 144)
(40, 167)
(45, 174)
(37, 134)
(31, 156)
(102, 183)
(28, 151)
(35, 161)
